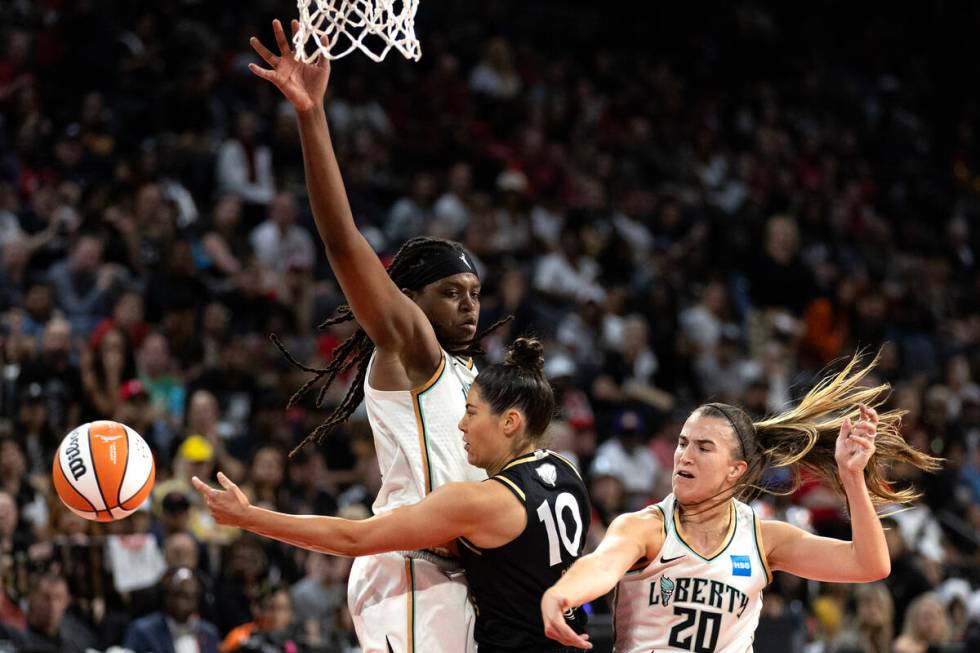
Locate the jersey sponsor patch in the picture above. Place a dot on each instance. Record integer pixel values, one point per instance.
(547, 473)
(741, 566)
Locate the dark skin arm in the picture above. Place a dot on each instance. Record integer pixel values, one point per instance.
(407, 347)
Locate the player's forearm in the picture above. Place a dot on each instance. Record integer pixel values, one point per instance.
(589, 578)
(867, 536)
(314, 532)
(328, 197)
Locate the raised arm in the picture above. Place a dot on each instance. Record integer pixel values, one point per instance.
(865, 557)
(631, 537)
(453, 510)
(390, 319)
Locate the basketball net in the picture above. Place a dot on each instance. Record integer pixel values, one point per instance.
(338, 27)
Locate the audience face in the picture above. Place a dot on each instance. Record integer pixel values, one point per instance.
(154, 355)
(56, 340)
(874, 606)
(180, 550)
(15, 254)
(275, 612)
(39, 302)
(13, 463)
(267, 467)
(282, 210)
(86, 256)
(202, 413)
(128, 311)
(47, 603)
(227, 213)
(926, 620)
(181, 593)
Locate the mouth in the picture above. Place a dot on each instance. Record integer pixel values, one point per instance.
(683, 474)
(469, 326)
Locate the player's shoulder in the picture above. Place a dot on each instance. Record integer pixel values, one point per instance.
(566, 464)
(546, 468)
(467, 500)
(649, 519)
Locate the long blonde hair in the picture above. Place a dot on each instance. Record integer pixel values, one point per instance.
(805, 437)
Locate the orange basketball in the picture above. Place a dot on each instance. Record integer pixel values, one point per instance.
(103, 471)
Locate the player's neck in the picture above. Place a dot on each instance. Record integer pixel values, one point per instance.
(712, 514)
(501, 462)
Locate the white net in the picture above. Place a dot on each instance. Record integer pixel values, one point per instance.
(338, 27)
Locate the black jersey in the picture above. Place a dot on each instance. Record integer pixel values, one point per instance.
(507, 582)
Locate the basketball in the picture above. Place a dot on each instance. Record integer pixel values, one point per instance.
(103, 471)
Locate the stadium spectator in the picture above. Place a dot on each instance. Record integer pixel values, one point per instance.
(177, 627)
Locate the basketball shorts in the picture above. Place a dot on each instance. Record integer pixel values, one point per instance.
(402, 604)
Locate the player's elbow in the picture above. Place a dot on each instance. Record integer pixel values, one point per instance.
(879, 570)
(882, 570)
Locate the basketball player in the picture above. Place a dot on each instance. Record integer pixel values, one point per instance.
(689, 571)
(516, 535)
(418, 325)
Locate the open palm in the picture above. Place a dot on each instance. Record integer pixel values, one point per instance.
(303, 84)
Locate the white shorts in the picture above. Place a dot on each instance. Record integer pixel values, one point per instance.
(409, 605)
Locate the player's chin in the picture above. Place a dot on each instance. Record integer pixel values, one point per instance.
(464, 332)
(459, 337)
(684, 492)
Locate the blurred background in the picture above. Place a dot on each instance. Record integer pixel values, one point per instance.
(716, 201)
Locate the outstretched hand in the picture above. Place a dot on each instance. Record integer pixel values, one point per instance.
(229, 507)
(856, 442)
(303, 84)
(553, 609)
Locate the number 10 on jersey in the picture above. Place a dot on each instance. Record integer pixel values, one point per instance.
(554, 524)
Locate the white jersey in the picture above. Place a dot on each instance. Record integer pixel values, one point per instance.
(416, 433)
(683, 601)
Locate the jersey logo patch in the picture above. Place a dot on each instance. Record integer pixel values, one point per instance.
(666, 590)
(741, 566)
(548, 473)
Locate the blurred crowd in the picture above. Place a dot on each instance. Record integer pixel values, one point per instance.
(716, 205)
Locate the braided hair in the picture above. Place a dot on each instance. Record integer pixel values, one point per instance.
(356, 350)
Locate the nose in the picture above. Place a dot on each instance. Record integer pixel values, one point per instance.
(462, 425)
(683, 457)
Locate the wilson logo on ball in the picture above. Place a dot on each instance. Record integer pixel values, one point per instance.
(74, 453)
(103, 471)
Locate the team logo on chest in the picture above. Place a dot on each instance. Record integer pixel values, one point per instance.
(666, 589)
(548, 473)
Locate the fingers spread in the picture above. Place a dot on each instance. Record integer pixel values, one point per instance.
(281, 38)
(200, 486)
(263, 51)
(264, 73)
